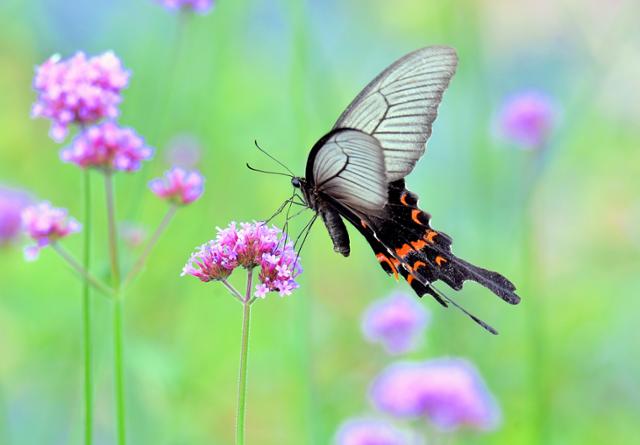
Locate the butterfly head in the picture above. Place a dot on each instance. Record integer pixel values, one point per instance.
(297, 182)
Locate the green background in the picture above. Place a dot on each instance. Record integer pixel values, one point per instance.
(566, 366)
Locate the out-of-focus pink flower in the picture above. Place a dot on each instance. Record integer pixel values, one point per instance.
(397, 322)
(178, 186)
(449, 392)
(78, 90)
(527, 119)
(198, 6)
(45, 225)
(12, 202)
(370, 432)
(107, 147)
(251, 245)
(132, 234)
(183, 151)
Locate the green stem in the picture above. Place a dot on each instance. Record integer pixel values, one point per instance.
(244, 353)
(150, 245)
(118, 362)
(86, 315)
(118, 369)
(86, 276)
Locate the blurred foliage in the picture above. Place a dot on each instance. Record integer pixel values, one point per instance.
(281, 72)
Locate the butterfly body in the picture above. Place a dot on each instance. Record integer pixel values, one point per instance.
(356, 173)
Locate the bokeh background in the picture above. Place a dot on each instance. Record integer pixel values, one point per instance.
(563, 225)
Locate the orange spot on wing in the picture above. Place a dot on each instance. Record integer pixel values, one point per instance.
(404, 250)
(431, 234)
(410, 279)
(418, 264)
(418, 244)
(440, 260)
(363, 224)
(403, 199)
(384, 259)
(414, 216)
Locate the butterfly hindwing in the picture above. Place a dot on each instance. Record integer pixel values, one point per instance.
(425, 253)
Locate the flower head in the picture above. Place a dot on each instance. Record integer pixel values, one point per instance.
(132, 234)
(178, 186)
(527, 119)
(78, 90)
(397, 322)
(449, 392)
(370, 432)
(251, 245)
(45, 225)
(108, 147)
(12, 202)
(197, 6)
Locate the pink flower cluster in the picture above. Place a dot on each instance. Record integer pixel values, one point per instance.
(528, 118)
(251, 245)
(78, 90)
(198, 6)
(108, 147)
(45, 225)
(397, 322)
(178, 186)
(449, 392)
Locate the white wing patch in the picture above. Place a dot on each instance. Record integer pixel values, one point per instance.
(399, 106)
(350, 168)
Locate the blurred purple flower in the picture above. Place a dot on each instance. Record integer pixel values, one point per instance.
(370, 432)
(12, 202)
(183, 151)
(198, 6)
(108, 147)
(45, 225)
(397, 322)
(178, 186)
(78, 90)
(527, 119)
(449, 392)
(254, 244)
(132, 234)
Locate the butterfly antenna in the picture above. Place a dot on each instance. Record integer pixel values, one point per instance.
(268, 172)
(271, 157)
(443, 296)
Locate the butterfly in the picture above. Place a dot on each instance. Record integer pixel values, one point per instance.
(356, 173)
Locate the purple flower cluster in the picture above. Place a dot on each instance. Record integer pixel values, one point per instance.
(397, 322)
(198, 6)
(12, 202)
(251, 245)
(527, 119)
(370, 432)
(449, 392)
(107, 147)
(45, 225)
(78, 90)
(178, 186)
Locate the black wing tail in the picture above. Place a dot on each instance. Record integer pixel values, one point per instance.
(426, 253)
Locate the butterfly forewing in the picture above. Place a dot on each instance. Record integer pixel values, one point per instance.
(399, 106)
(349, 166)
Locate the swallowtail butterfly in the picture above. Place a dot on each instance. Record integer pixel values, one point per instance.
(356, 173)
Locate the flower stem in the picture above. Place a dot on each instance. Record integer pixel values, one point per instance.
(118, 362)
(150, 245)
(244, 353)
(93, 281)
(86, 315)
